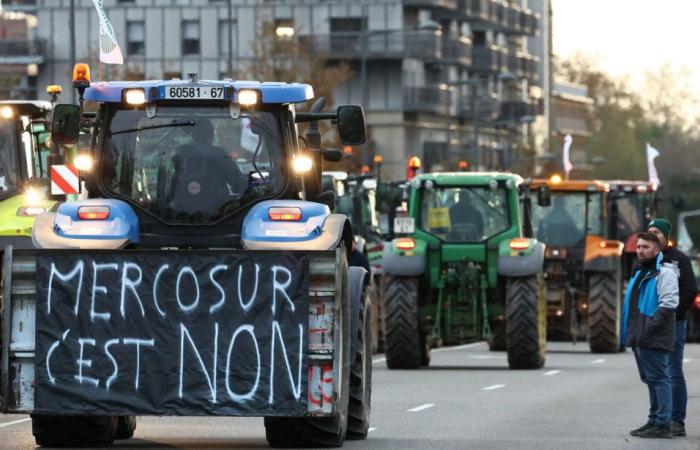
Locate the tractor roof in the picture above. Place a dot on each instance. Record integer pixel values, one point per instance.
(31, 108)
(571, 185)
(632, 185)
(270, 92)
(469, 178)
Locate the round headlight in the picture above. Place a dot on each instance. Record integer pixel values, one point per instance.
(415, 183)
(510, 184)
(429, 185)
(493, 184)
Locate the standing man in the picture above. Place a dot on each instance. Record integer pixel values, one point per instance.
(687, 291)
(648, 326)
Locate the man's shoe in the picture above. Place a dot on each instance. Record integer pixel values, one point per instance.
(656, 431)
(644, 427)
(677, 428)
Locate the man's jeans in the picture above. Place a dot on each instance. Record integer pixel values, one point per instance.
(655, 371)
(680, 392)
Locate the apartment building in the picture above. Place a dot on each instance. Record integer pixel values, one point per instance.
(445, 80)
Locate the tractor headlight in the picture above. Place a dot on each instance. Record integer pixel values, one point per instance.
(135, 96)
(83, 162)
(302, 164)
(247, 97)
(6, 112)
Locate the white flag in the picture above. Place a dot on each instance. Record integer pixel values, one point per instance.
(567, 159)
(652, 153)
(110, 53)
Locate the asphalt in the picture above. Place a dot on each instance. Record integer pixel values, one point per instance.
(467, 398)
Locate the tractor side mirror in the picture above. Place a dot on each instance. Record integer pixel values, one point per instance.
(332, 155)
(351, 125)
(65, 124)
(544, 196)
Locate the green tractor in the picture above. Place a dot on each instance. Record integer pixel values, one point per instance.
(23, 169)
(464, 271)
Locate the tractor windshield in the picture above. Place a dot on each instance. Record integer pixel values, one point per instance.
(464, 214)
(569, 219)
(9, 159)
(190, 164)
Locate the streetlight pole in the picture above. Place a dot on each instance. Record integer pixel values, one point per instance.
(71, 27)
(230, 38)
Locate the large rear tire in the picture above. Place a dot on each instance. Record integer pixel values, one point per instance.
(404, 345)
(361, 376)
(604, 292)
(320, 431)
(74, 431)
(526, 323)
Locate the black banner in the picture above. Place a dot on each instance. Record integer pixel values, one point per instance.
(171, 333)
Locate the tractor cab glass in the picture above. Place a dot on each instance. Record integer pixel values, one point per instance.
(464, 214)
(9, 158)
(192, 164)
(571, 216)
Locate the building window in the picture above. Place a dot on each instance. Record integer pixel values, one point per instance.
(135, 34)
(190, 37)
(227, 28)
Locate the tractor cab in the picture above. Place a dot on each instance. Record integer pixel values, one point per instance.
(631, 205)
(582, 262)
(24, 150)
(191, 157)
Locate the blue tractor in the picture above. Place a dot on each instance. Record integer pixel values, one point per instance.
(203, 275)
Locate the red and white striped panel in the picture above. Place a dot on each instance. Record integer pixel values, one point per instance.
(64, 180)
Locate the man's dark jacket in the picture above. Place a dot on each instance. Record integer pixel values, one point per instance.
(686, 283)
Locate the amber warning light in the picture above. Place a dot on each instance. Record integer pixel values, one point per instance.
(81, 75)
(284, 214)
(519, 244)
(405, 244)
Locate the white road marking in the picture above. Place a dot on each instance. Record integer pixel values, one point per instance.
(440, 350)
(598, 361)
(487, 357)
(14, 422)
(687, 360)
(551, 372)
(371, 429)
(421, 407)
(493, 387)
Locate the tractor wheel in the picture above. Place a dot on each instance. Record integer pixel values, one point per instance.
(526, 323)
(320, 431)
(375, 335)
(74, 431)
(405, 348)
(497, 339)
(126, 425)
(604, 291)
(361, 376)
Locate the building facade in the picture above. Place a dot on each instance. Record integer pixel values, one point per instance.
(445, 80)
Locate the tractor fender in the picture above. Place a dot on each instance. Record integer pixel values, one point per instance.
(520, 262)
(64, 229)
(356, 278)
(404, 263)
(317, 230)
(602, 255)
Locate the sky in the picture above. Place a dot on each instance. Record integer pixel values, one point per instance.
(627, 37)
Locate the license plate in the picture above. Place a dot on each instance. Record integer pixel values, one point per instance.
(404, 225)
(194, 93)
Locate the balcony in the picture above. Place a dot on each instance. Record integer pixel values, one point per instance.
(451, 5)
(22, 51)
(531, 68)
(428, 100)
(515, 111)
(380, 44)
(528, 22)
(514, 20)
(485, 108)
(457, 51)
(499, 14)
(479, 9)
(19, 5)
(486, 58)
